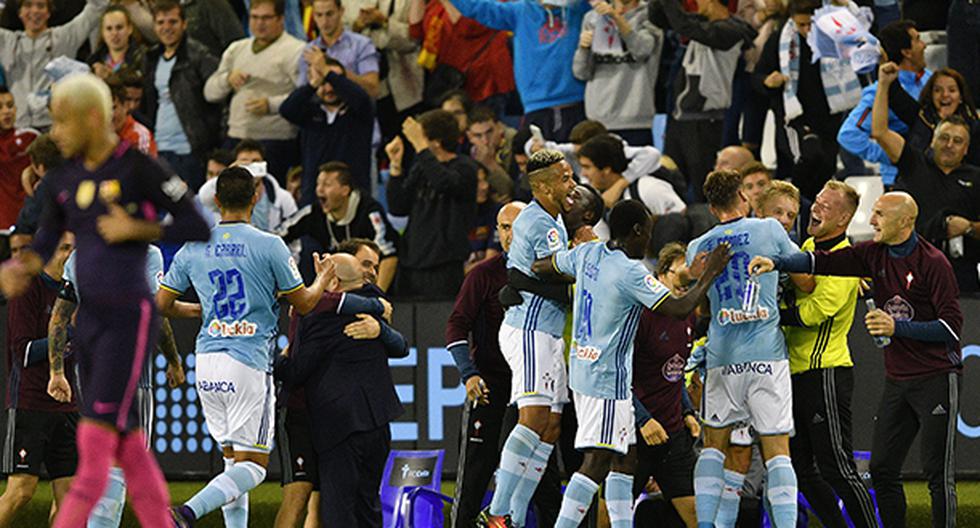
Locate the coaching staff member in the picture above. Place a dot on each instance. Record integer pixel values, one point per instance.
(916, 292)
(816, 325)
(486, 375)
(350, 397)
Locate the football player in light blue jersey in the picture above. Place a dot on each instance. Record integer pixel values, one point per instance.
(748, 367)
(531, 342)
(238, 276)
(612, 287)
(109, 510)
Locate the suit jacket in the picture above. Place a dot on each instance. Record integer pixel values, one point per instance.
(347, 382)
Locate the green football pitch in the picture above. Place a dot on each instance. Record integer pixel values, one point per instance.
(265, 503)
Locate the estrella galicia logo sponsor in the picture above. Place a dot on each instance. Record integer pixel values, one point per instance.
(755, 367)
(232, 328)
(216, 386)
(730, 316)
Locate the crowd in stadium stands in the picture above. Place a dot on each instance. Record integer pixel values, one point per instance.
(191, 84)
(410, 123)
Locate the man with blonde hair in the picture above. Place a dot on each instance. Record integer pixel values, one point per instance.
(917, 323)
(816, 325)
(117, 325)
(780, 200)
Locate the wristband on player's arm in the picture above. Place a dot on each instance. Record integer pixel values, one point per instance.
(355, 304)
(640, 413)
(460, 351)
(795, 263)
(933, 331)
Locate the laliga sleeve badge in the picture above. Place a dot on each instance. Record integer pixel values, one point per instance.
(85, 194)
(554, 239)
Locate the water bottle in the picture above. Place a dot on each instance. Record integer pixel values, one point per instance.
(880, 341)
(750, 295)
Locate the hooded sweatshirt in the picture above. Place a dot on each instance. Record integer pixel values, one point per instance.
(620, 71)
(704, 87)
(24, 59)
(545, 39)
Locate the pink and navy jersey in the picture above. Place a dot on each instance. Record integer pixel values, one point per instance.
(76, 197)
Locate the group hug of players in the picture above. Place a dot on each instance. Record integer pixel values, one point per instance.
(743, 267)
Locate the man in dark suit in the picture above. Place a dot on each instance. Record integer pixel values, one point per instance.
(342, 361)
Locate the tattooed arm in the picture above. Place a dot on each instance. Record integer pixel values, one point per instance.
(58, 386)
(168, 346)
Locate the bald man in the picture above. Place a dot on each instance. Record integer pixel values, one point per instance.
(733, 157)
(297, 456)
(109, 195)
(342, 363)
(484, 372)
(918, 322)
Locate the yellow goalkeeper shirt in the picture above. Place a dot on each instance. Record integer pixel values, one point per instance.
(825, 316)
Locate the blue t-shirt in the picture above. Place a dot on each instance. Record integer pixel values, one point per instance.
(735, 336)
(611, 290)
(168, 131)
(536, 235)
(154, 274)
(238, 275)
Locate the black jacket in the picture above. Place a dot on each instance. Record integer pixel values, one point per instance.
(348, 384)
(440, 201)
(213, 23)
(816, 112)
(347, 139)
(923, 118)
(200, 119)
(135, 55)
(318, 235)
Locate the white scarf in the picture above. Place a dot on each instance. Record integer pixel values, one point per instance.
(840, 83)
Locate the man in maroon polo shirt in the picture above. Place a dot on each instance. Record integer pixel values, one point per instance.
(40, 429)
(919, 312)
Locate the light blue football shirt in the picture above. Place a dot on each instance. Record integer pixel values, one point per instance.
(735, 336)
(536, 235)
(238, 275)
(611, 291)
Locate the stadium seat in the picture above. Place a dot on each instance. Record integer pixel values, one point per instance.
(410, 489)
(870, 188)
